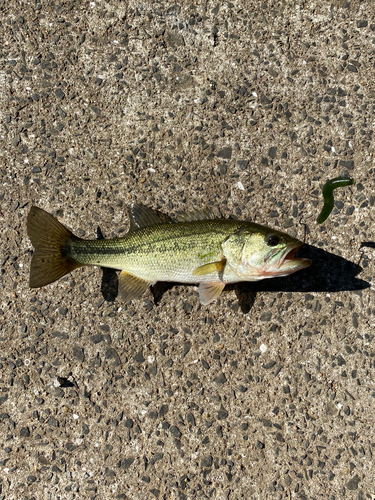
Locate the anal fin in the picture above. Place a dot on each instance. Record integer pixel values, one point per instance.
(210, 268)
(131, 287)
(210, 291)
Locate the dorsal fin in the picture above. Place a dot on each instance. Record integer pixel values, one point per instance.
(196, 214)
(141, 216)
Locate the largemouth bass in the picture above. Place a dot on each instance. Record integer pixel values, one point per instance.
(195, 248)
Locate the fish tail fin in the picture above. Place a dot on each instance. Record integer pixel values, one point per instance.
(49, 262)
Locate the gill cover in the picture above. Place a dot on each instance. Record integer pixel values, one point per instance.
(244, 251)
(259, 252)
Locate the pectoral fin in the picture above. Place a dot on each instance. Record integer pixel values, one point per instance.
(131, 287)
(210, 268)
(210, 291)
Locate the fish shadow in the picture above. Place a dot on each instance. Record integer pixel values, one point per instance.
(328, 273)
(109, 285)
(160, 288)
(369, 244)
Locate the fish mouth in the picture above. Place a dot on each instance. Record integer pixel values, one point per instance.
(290, 252)
(288, 258)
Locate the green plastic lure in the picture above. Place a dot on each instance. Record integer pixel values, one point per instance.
(327, 190)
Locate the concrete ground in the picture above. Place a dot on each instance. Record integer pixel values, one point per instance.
(247, 107)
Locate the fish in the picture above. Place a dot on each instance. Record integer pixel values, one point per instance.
(192, 248)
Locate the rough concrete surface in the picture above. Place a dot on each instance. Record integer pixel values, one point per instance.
(248, 108)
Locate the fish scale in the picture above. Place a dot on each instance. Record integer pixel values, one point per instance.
(165, 252)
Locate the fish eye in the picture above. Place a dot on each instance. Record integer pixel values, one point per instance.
(272, 240)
